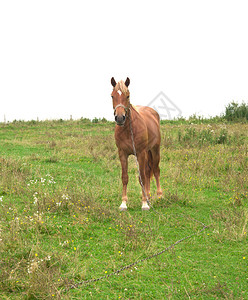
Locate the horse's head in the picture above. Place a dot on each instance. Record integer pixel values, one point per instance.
(121, 102)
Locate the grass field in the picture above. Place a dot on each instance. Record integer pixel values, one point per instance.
(60, 190)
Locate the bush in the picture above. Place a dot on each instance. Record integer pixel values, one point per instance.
(95, 120)
(236, 112)
(85, 120)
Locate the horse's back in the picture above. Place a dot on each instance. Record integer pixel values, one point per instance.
(147, 112)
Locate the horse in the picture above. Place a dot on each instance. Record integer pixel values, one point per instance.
(137, 132)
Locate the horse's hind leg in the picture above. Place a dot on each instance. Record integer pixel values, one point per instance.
(143, 161)
(149, 171)
(124, 165)
(156, 169)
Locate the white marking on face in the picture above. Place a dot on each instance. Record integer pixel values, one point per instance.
(119, 92)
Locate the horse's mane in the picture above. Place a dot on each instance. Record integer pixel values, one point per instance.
(122, 87)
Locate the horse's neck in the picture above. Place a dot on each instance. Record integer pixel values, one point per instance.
(133, 117)
(133, 112)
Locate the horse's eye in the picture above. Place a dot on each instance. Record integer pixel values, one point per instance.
(128, 97)
(112, 96)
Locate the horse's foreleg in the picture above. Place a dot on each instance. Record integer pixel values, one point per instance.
(124, 167)
(143, 160)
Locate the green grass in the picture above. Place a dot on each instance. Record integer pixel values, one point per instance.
(60, 189)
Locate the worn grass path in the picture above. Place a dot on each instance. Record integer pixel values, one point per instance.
(60, 190)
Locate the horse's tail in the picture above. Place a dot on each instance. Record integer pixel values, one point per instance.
(150, 163)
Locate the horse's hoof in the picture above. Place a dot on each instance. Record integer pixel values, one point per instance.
(123, 208)
(160, 195)
(145, 207)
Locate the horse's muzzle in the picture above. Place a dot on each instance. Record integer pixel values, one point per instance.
(120, 119)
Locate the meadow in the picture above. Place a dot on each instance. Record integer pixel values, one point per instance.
(60, 224)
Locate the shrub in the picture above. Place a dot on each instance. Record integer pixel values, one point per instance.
(236, 112)
(95, 120)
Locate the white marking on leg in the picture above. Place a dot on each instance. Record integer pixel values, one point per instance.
(123, 206)
(145, 206)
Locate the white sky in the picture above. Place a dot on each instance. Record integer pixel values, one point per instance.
(57, 57)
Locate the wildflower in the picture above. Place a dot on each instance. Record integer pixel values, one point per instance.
(65, 243)
(33, 266)
(65, 197)
(51, 180)
(35, 197)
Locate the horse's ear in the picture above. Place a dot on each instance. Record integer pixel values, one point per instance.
(113, 82)
(127, 82)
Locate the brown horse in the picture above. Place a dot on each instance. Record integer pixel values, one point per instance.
(137, 131)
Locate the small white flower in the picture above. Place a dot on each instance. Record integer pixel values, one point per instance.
(65, 243)
(65, 197)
